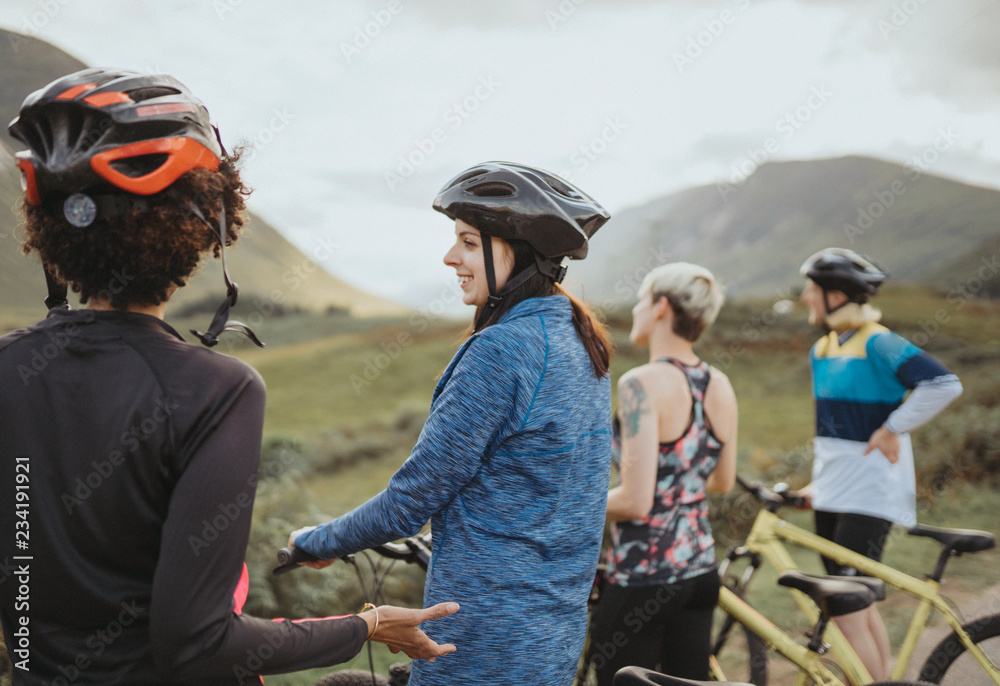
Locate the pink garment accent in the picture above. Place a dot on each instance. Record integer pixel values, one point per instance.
(242, 589)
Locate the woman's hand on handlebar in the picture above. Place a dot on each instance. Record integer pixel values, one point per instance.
(804, 495)
(398, 628)
(315, 564)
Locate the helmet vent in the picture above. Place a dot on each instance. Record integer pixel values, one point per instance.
(140, 94)
(493, 190)
(140, 165)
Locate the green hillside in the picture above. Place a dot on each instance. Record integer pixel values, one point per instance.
(274, 275)
(756, 235)
(333, 442)
(28, 64)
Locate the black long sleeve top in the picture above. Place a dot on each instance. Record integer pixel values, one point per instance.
(128, 467)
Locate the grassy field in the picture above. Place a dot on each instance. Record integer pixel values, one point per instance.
(347, 398)
(364, 393)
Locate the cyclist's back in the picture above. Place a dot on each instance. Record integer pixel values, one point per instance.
(123, 431)
(129, 458)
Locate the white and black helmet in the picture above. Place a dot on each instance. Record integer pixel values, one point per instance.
(839, 269)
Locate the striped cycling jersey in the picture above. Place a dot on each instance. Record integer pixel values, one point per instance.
(857, 383)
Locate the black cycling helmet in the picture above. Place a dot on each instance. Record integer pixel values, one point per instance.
(516, 202)
(107, 131)
(100, 139)
(839, 269)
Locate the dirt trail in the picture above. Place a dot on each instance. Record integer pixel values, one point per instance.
(972, 606)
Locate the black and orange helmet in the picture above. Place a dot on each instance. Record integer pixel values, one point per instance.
(105, 131)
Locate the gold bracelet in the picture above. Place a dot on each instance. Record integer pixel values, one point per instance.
(369, 606)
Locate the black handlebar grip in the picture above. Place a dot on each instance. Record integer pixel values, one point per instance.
(289, 558)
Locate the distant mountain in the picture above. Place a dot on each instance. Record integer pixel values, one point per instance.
(270, 270)
(754, 236)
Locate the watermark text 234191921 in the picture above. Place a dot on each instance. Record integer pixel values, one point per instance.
(21, 650)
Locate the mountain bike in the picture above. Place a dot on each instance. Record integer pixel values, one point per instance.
(414, 550)
(637, 676)
(964, 645)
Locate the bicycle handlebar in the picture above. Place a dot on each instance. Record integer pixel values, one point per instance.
(772, 499)
(290, 558)
(415, 550)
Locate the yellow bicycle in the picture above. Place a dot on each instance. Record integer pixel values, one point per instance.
(766, 542)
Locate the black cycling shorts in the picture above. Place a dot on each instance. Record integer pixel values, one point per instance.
(863, 534)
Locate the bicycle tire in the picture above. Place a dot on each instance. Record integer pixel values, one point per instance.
(756, 651)
(940, 667)
(352, 677)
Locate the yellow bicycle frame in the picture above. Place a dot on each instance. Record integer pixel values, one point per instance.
(766, 538)
(811, 670)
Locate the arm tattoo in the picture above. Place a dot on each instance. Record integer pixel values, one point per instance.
(634, 405)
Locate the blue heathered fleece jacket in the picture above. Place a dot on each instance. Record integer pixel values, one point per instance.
(512, 470)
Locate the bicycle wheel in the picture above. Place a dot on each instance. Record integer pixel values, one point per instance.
(950, 664)
(740, 652)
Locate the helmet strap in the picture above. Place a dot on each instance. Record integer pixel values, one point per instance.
(494, 298)
(550, 268)
(57, 290)
(221, 321)
(554, 269)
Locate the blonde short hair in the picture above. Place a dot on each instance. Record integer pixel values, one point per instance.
(692, 292)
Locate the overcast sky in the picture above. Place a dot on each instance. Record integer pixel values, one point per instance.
(357, 112)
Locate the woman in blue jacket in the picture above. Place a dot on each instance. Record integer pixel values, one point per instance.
(512, 465)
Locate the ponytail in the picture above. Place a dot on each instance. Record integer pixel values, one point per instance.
(592, 333)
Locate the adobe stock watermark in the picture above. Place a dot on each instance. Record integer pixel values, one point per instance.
(958, 296)
(785, 128)
(32, 24)
(279, 121)
(627, 285)
(130, 441)
(704, 39)
(226, 514)
(589, 152)
(363, 34)
(885, 198)
(753, 329)
(293, 278)
(562, 12)
(454, 117)
(389, 351)
(635, 620)
(98, 642)
(224, 7)
(60, 339)
(899, 16)
(253, 665)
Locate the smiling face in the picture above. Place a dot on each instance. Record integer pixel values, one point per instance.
(812, 295)
(466, 257)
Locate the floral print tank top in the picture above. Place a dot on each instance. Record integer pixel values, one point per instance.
(674, 541)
